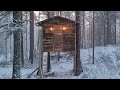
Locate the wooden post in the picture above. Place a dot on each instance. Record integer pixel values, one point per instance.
(48, 62)
(74, 60)
(58, 56)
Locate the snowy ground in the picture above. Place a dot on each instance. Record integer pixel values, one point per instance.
(107, 64)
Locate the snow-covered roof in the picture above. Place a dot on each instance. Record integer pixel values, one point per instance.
(56, 20)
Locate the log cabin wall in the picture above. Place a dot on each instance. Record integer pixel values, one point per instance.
(58, 34)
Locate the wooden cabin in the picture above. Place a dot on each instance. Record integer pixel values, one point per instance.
(58, 34)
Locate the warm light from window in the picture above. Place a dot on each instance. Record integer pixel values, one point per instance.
(64, 28)
(51, 29)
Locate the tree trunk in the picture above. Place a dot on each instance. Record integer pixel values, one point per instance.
(52, 13)
(40, 69)
(60, 13)
(31, 36)
(48, 57)
(17, 45)
(93, 36)
(40, 45)
(77, 67)
(108, 29)
(22, 53)
(104, 29)
(26, 49)
(38, 41)
(6, 45)
(115, 27)
(84, 29)
(10, 48)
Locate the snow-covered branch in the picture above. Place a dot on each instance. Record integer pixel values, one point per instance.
(21, 21)
(14, 25)
(3, 25)
(5, 15)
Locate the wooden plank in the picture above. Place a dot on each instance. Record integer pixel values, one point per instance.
(69, 42)
(48, 42)
(59, 40)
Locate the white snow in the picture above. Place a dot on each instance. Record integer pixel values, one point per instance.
(2, 57)
(107, 64)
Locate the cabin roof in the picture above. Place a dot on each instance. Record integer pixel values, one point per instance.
(55, 19)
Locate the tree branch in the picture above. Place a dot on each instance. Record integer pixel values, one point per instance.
(3, 25)
(5, 15)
